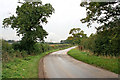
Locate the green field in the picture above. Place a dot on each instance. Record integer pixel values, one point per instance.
(23, 67)
(110, 64)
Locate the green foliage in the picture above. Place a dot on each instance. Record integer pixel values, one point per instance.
(103, 43)
(22, 68)
(107, 39)
(25, 67)
(17, 46)
(11, 51)
(106, 63)
(6, 46)
(101, 12)
(28, 23)
(77, 35)
(41, 48)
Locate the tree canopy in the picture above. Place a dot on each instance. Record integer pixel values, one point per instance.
(29, 22)
(77, 35)
(106, 13)
(77, 32)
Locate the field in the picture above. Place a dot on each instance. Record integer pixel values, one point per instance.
(110, 64)
(24, 67)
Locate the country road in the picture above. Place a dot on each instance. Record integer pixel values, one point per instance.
(60, 65)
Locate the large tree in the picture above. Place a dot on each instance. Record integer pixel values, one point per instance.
(28, 22)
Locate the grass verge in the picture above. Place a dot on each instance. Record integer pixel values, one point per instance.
(110, 64)
(24, 67)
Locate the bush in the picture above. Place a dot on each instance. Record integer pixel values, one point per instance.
(16, 46)
(6, 46)
(23, 53)
(104, 43)
(11, 51)
(40, 48)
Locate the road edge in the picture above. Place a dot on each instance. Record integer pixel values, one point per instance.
(41, 72)
(41, 69)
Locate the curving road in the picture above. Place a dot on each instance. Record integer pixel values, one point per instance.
(60, 65)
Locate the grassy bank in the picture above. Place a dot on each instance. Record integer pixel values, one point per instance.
(24, 67)
(110, 64)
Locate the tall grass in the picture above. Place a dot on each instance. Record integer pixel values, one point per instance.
(110, 64)
(22, 68)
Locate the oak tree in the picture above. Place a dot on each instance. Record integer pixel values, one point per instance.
(28, 22)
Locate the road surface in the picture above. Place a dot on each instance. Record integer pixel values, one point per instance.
(60, 65)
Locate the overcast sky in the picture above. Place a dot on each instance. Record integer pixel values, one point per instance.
(67, 16)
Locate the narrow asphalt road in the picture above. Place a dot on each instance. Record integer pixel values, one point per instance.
(60, 65)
